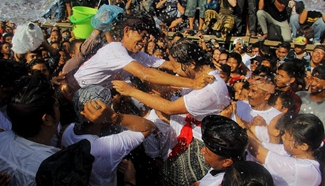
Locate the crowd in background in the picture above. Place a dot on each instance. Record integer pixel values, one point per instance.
(171, 111)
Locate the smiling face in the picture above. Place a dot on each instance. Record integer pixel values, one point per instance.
(134, 40)
(281, 53)
(317, 56)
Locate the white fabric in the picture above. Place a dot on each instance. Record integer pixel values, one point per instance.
(246, 60)
(109, 152)
(108, 63)
(160, 145)
(245, 112)
(69, 137)
(21, 158)
(262, 134)
(209, 180)
(211, 99)
(277, 148)
(289, 171)
(27, 38)
(5, 124)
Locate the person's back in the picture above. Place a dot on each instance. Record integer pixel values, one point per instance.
(34, 120)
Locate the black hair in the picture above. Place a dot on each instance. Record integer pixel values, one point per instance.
(186, 51)
(236, 56)
(224, 137)
(283, 120)
(309, 129)
(177, 34)
(285, 45)
(256, 45)
(226, 69)
(35, 62)
(293, 71)
(33, 98)
(264, 69)
(287, 101)
(247, 173)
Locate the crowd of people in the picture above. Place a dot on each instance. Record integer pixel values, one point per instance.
(129, 106)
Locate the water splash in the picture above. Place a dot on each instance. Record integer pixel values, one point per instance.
(23, 11)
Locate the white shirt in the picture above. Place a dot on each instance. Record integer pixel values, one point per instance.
(287, 171)
(262, 134)
(108, 63)
(69, 137)
(109, 151)
(211, 99)
(209, 180)
(5, 124)
(245, 112)
(21, 158)
(160, 145)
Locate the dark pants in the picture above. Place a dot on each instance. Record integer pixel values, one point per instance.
(240, 17)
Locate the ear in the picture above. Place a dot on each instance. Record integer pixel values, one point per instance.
(192, 65)
(292, 80)
(267, 96)
(47, 120)
(276, 132)
(227, 162)
(304, 147)
(126, 31)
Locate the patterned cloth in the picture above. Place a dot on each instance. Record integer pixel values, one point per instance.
(186, 168)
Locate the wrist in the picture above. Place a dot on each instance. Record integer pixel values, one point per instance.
(117, 118)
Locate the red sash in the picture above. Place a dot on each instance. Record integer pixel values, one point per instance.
(185, 137)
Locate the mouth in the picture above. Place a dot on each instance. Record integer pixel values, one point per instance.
(139, 46)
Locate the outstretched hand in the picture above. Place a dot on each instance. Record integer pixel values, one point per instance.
(97, 112)
(203, 81)
(122, 87)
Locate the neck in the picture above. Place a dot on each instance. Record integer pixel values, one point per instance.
(318, 97)
(284, 88)
(304, 155)
(203, 70)
(42, 138)
(313, 65)
(261, 107)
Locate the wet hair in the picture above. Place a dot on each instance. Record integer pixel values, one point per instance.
(224, 137)
(226, 69)
(140, 21)
(73, 45)
(294, 71)
(287, 101)
(309, 129)
(186, 51)
(283, 120)
(236, 56)
(247, 173)
(33, 98)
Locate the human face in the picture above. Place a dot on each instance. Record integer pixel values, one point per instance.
(54, 37)
(255, 51)
(278, 105)
(5, 48)
(178, 68)
(317, 56)
(212, 159)
(134, 41)
(158, 54)
(256, 96)
(216, 54)
(266, 63)
(63, 58)
(232, 62)
(40, 68)
(8, 39)
(238, 47)
(223, 58)
(282, 79)
(317, 85)
(238, 86)
(254, 65)
(66, 47)
(290, 144)
(55, 45)
(281, 53)
(299, 49)
(150, 47)
(30, 56)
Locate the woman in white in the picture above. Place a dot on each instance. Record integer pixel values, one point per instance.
(298, 160)
(188, 60)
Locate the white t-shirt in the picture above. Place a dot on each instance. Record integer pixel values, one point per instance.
(108, 63)
(245, 112)
(69, 137)
(262, 134)
(209, 180)
(159, 145)
(5, 124)
(211, 99)
(109, 152)
(287, 171)
(21, 158)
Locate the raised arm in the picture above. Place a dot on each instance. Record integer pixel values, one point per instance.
(99, 112)
(303, 16)
(158, 77)
(155, 102)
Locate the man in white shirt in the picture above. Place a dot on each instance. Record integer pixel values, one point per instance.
(225, 143)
